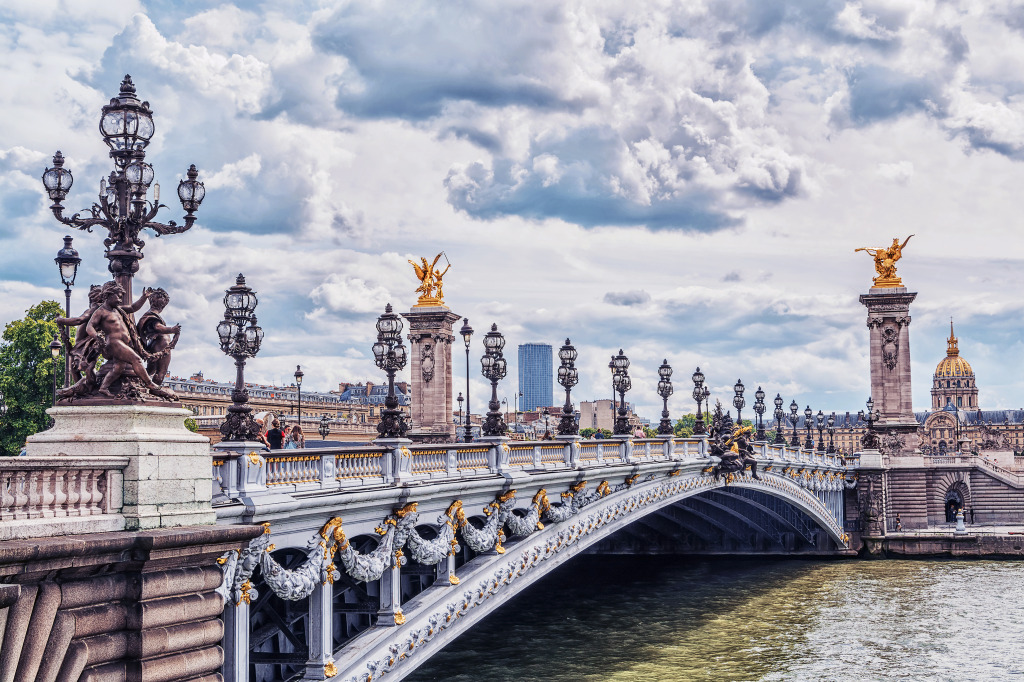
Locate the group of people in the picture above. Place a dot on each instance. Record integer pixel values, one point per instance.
(277, 438)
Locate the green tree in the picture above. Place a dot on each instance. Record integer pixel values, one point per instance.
(26, 374)
(191, 425)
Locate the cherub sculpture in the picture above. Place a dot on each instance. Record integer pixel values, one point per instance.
(153, 333)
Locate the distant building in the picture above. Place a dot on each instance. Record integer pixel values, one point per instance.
(372, 394)
(600, 414)
(536, 378)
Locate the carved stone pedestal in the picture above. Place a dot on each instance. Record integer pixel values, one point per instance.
(168, 480)
(430, 350)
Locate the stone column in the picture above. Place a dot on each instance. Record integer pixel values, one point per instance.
(430, 351)
(889, 327)
(320, 638)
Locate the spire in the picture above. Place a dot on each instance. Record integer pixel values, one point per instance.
(952, 349)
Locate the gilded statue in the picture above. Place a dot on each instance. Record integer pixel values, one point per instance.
(431, 287)
(885, 262)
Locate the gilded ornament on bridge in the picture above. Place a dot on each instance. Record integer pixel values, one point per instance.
(431, 287)
(885, 262)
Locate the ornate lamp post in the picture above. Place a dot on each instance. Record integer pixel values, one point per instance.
(870, 439)
(622, 383)
(665, 390)
(808, 424)
(126, 125)
(832, 433)
(298, 385)
(759, 408)
(389, 355)
(67, 261)
(738, 402)
(55, 347)
(324, 428)
(779, 438)
(698, 395)
(493, 368)
(793, 419)
(821, 431)
(547, 416)
(467, 336)
(461, 423)
(240, 338)
(568, 377)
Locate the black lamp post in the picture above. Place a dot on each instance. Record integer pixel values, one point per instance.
(832, 433)
(389, 354)
(793, 419)
(298, 385)
(622, 383)
(547, 416)
(779, 438)
(665, 390)
(759, 408)
(324, 428)
(461, 423)
(467, 336)
(493, 368)
(240, 338)
(698, 395)
(67, 261)
(55, 347)
(870, 439)
(821, 431)
(126, 125)
(808, 424)
(568, 377)
(738, 401)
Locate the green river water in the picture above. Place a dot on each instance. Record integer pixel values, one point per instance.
(627, 619)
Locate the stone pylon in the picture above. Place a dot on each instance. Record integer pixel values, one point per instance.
(889, 327)
(430, 349)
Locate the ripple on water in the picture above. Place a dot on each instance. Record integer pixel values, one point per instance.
(678, 619)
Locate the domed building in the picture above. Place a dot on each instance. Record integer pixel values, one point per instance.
(953, 382)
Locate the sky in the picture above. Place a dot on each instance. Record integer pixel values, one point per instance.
(682, 180)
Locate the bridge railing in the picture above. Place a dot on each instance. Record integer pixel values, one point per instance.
(288, 471)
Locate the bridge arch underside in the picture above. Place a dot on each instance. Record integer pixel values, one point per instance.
(729, 520)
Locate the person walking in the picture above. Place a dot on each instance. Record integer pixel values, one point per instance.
(972, 516)
(275, 436)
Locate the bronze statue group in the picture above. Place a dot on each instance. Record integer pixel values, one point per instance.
(731, 444)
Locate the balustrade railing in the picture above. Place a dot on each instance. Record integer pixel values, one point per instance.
(52, 487)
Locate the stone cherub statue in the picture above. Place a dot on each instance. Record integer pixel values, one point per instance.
(106, 330)
(431, 287)
(885, 262)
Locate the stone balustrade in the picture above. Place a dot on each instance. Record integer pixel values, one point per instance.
(47, 496)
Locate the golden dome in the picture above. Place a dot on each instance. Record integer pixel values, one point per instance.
(953, 366)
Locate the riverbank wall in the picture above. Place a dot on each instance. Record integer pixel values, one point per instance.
(945, 544)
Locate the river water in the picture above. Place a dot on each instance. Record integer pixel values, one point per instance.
(627, 619)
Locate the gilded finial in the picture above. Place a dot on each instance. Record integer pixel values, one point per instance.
(885, 263)
(431, 287)
(952, 348)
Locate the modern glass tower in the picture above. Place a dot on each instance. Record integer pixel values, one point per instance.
(536, 378)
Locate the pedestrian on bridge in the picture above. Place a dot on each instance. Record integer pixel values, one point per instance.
(275, 436)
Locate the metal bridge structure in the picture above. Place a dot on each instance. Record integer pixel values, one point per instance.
(373, 558)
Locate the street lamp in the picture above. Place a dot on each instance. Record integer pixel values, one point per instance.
(67, 261)
(698, 395)
(467, 335)
(389, 354)
(738, 402)
(808, 424)
(759, 409)
(793, 419)
(298, 385)
(324, 428)
(55, 347)
(547, 431)
(240, 338)
(832, 433)
(568, 377)
(461, 423)
(821, 431)
(126, 124)
(493, 368)
(779, 438)
(621, 383)
(870, 439)
(665, 390)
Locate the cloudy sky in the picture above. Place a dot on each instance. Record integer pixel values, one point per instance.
(684, 180)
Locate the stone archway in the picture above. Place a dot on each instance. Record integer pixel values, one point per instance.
(956, 496)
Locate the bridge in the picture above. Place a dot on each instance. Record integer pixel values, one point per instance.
(373, 558)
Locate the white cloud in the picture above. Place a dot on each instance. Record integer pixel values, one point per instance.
(234, 175)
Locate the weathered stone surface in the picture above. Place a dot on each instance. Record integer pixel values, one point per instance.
(430, 352)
